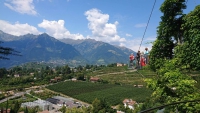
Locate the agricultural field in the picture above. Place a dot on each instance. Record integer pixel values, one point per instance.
(113, 94)
(129, 77)
(123, 75)
(105, 70)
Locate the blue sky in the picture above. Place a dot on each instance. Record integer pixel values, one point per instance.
(118, 22)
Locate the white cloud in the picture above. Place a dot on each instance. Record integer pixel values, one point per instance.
(17, 28)
(140, 25)
(101, 29)
(57, 30)
(21, 6)
(134, 44)
(128, 35)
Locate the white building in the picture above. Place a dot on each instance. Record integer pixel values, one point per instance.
(43, 105)
(129, 103)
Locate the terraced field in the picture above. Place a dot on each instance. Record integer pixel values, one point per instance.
(129, 77)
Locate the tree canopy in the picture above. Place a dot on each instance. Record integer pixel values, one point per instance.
(175, 50)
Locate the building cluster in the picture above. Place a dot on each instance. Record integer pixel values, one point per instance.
(56, 79)
(62, 101)
(42, 104)
(129, 103)
(49, 104)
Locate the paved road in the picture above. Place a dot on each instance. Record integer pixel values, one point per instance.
(14, 96)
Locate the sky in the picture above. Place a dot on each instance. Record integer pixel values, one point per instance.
(118, 22)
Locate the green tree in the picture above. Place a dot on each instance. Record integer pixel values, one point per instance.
(79, 68)
(96, 106)
(26, 110)
(16, 106)
(63, 109)
(177, 33)
(80, 76)
(6, 106)
(2, 109)
(101, 106)
(169, 32)
(87, 66)
(170, 25)
(66, 70)
(189, 51)
(3, 72)
(173, 86)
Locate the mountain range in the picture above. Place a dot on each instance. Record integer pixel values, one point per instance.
(44, 48)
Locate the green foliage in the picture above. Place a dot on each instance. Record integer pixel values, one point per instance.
(26, 110)
(3, 72)
(79, 110)
(101, 106)
(169, 31)
(172, 86)
(121, 107)
(80, 76)
(63, 109)
(189, 51)
(16, 107)
(11, 103)
(161, 51)
(112, 65)
(2, 96)
(171, 20)
(44, 95)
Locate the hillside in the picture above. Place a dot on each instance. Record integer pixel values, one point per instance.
(97, 52)
(44, 48)
(41, 48)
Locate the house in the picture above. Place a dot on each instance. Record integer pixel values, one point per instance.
(94, 79)
(119, 64)
(35, 87)
(32, 74)
(120, 111)
(16, 75)
(58, 78)
(52, 80)
(10, 92)
(139, 86)
(129, 103)
(74, 79)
